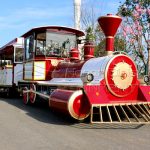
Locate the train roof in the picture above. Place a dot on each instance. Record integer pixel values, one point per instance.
(55, 29)
(17, 42)
(8, 48)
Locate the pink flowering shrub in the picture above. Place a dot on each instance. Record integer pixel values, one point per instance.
(136, 29)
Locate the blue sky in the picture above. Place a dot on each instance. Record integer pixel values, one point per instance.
(19, 16)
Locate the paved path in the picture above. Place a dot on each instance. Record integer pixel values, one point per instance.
(37, 128)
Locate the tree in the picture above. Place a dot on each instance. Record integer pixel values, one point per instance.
(89, 14)
(136, 30)
(93, 31)
(89, 21)
(119, 45)
(90, 36)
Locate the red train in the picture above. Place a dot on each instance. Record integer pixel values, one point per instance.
(44, 62)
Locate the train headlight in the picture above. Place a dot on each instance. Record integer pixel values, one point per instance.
(87, 77)
(146, 79)
(90, 77)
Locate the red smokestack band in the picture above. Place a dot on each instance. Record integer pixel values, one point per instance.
(109, 43)
(88, 50)
(74, 54)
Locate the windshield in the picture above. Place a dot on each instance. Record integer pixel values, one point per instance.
(54, 44)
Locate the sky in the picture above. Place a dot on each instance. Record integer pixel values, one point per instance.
(19, 16)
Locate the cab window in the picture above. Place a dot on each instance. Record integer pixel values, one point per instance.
(54, 44)
(29, 47)
(40, 43)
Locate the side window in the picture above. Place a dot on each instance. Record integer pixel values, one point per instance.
(18, 54)
(29, 47)
(40, 43)
(5, 62)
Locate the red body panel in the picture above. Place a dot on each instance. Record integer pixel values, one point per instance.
(68, 70)
(144, 93)
(110, 44)
(70, 102)
(74, 54)
(51, 64)
(101, 95)
(88, 50)
(59, 100)
(109, 24)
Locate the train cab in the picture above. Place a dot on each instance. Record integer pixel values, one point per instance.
(45, 47)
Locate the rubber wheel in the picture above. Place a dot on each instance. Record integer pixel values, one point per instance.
(25, 96)
(32, 95)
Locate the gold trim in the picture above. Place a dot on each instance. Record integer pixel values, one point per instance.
(109, 37)
(8, 66)
(54, 62)
(110, 16)
(109, 52)
(122, 75)
(139, 118)
(70, 105)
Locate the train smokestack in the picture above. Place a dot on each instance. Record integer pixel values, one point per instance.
(77, 13)
(109, 25)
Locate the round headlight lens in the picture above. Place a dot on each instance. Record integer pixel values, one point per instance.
(90, 77)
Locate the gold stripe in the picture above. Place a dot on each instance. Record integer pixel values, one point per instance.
(109, 52)
(70, 106)
(110, 16)
(110, 37)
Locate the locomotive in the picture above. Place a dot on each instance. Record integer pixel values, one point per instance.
(45, 63)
